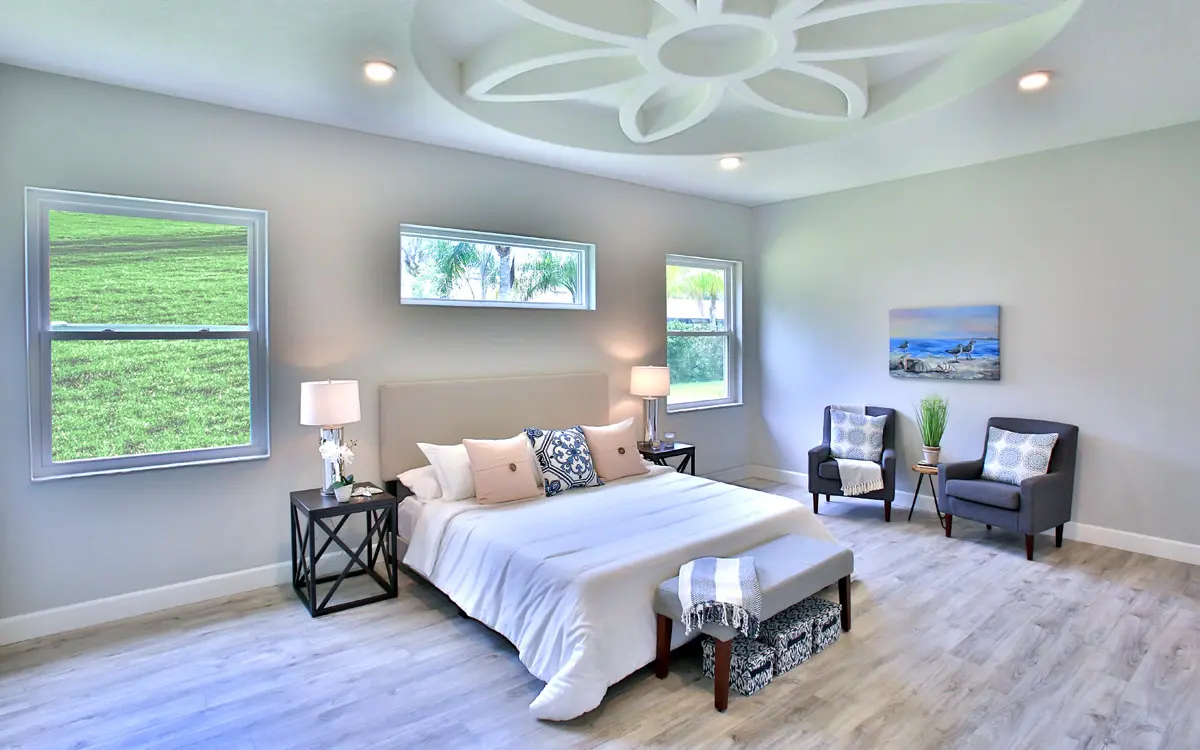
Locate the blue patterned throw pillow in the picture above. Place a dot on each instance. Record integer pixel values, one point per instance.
(856, 435)
(1012, 457)
(564, 458)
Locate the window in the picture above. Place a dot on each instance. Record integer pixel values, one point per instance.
(455, 267)
(703, 334)
(147, 333)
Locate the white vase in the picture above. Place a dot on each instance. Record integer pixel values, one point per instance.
(343, 493)
(931, 455)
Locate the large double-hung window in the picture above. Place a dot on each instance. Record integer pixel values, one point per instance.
(147, 333)
(704, 348)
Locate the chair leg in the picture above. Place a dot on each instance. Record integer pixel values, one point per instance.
(949, 523)
(844, 598)
(1029, 546)
(816, 502)
(887, 511)
(1058, 532)
(724, 654)
(662, 661)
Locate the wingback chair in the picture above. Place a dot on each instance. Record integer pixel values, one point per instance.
(1039, 504)
(823, 476)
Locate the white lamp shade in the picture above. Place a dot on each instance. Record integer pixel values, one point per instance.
(329, 403)
(651, 382)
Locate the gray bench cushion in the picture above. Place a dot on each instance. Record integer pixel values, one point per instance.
(995, 494)
(790, 569)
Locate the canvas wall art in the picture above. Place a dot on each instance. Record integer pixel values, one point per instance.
(946, 343)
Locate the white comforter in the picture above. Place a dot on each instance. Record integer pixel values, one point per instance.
(570, 580)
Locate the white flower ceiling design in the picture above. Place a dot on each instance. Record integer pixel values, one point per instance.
(671, 66)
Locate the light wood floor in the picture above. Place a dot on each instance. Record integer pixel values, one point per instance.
(956, 644)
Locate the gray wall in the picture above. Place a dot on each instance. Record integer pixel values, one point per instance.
(335, 200)
(1094, 254)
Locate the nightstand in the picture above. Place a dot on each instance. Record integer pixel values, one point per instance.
(312, 510)
(659, 456)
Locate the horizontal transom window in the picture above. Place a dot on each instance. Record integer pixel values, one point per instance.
(478, 269)
(147, 333)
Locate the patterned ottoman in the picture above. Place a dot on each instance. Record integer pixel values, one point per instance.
(750, 668)
(789, 635)
(826, 621)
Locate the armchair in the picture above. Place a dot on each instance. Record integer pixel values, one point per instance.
(1039, 504)
(823, 477)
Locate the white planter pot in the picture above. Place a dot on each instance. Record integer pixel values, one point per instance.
(343, 493)
(931, 455)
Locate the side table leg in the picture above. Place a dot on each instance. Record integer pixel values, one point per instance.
(917, 491)
(312, 568)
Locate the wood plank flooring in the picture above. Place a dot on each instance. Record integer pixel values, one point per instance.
(957, 643)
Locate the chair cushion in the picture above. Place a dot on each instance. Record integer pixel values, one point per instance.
(1013, 457)
(829, 470)
(856, 435)
(995, 494)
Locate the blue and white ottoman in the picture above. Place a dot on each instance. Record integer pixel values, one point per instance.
(750, 665)
(789, 635)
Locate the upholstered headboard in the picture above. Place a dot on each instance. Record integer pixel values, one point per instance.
(447, 411)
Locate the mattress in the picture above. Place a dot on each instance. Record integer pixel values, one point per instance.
(570, 580)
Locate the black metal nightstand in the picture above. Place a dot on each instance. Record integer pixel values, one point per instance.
(379, 543)
(660, 456)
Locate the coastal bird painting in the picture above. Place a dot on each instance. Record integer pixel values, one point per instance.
(946, 343)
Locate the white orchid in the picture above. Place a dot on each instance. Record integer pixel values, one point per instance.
(342, 454)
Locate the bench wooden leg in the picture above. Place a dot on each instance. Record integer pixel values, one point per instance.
(816, 502)
(662, 661)
(844, 598)
(724, 654)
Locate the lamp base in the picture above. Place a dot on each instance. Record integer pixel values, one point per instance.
(332, 473)
(651, 404)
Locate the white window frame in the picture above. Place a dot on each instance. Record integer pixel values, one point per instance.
(38, 204)
(585, 252)
(732, 333)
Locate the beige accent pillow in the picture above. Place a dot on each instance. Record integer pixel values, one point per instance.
(614, 450)
(502, 469)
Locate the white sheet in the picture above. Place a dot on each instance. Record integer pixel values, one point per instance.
(570, 580)
(407, 515)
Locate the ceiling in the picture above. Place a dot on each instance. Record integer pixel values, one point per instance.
(815, 96)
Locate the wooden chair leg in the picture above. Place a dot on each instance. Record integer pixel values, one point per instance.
(816, 502)
(1058, 532)
(844, 598)
(662, 661)
(724, 654)
(949, 523)
(1029, 546)
(887, 511)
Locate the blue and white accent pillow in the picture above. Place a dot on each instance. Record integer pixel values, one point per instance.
(564, 458)
(856, 435)
(1012, 457)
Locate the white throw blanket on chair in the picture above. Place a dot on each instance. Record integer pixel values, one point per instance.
(858, 477)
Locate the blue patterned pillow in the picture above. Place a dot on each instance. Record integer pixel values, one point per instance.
(856, 435)
(564, 458)
(1012, 457)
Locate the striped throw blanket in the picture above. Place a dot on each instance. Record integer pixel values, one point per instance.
(720, 591)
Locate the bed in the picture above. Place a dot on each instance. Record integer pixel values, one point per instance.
(569, 580)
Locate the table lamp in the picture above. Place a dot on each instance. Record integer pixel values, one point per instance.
(329, 404)
(651, 383)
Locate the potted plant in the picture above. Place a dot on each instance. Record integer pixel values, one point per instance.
(931, 420)
(341, 456)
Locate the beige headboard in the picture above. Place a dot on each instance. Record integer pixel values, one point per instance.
(447, 411)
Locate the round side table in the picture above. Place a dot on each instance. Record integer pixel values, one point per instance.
(926, 470)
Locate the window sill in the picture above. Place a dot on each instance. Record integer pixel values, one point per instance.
(151, 467)
(705, 407)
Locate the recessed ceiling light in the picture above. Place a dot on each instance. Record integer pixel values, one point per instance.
(378, 71)
(730, 163)
(1035, 81)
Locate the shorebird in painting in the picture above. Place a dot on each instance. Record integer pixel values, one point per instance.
(967, 349)
(957, 350)
(903, 347)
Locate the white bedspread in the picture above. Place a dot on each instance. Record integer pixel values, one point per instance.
(570, 580)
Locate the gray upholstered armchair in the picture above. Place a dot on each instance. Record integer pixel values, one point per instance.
(1039, 504)
(823, 477)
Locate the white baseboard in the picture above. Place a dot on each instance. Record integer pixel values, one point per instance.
(736, 474)
(97, 611)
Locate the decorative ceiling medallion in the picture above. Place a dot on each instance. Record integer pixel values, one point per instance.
(709, 76)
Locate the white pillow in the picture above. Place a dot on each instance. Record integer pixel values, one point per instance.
(423, 482)
(453, 469)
